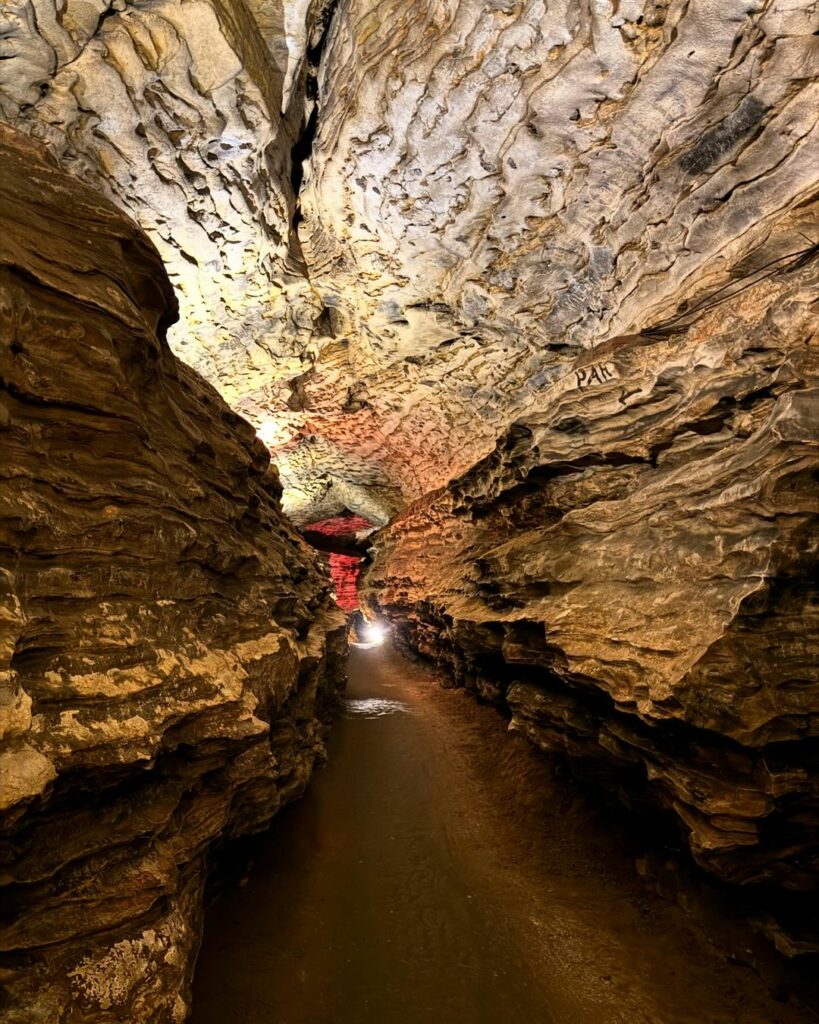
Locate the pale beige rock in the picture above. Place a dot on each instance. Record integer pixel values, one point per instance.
(25, 773)
(494, 188)
(491, 188)
(174, 110)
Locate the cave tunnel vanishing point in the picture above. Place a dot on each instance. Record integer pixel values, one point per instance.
(408, 550)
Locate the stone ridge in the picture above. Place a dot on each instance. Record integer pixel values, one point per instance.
(170, 650)
(632, 573)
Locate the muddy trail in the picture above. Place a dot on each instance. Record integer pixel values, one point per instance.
(436, 872)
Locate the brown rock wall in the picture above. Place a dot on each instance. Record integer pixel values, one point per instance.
(632, 572)
(169, 645)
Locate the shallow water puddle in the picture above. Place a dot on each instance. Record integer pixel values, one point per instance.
(375, 707)
(422, 880)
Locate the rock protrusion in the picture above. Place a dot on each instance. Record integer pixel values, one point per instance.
(632, 573)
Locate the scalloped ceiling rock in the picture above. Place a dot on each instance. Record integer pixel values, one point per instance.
(531, 282)
(492, 188)
(175, 110)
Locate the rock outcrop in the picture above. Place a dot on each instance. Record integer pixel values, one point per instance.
(632, 573)
(168, 642)
(488, 190)
(185, 113)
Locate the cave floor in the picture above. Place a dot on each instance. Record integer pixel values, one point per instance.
(436, 871)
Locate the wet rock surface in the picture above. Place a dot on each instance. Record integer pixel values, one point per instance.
(170, 652)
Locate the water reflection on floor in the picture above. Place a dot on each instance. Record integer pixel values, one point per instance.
(375, 707)
(357, 910)
(437, 873)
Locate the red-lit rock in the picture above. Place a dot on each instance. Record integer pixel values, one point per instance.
(344, 571)
(342, 537)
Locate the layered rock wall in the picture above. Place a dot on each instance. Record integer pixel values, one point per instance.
(488, 190)
(169, 645)
(496, 188)
(573, 247)
(632, 573)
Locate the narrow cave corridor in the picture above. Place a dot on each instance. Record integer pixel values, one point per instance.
(408, 511)
(437, 870)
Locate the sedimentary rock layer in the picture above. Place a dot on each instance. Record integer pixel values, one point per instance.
(497, 187)
(168, 642)
(632, 573)
(491, 189)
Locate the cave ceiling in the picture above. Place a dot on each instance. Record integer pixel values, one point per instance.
(393, 226)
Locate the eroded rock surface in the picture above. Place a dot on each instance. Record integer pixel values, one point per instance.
(540, 272)
(582, 241)
(632, 573)
(491, 190)
(497, 187)
(169, 646)
(177, 111)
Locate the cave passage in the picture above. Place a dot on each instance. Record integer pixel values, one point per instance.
(436, 871)
(491, 326)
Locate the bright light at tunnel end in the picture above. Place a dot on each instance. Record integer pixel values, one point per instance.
(373, 634)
